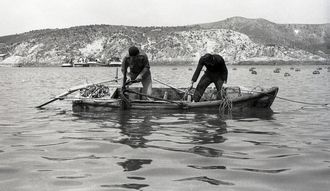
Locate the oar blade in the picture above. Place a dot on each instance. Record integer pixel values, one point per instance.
(48, 102)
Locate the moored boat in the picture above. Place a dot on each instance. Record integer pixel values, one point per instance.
(82, 64)
(176, 99)
(115, 62)
(67, 65)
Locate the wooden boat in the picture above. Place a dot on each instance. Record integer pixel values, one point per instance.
(174, 98)
(113, 62)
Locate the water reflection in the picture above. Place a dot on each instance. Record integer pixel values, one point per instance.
(262, 114)
(135, 126)
(208, 180)
(138, 129)
(133, 164)
(127, 186)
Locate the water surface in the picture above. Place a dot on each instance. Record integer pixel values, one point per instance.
(285, 148)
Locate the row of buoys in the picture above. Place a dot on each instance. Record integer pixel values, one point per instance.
(277, 70)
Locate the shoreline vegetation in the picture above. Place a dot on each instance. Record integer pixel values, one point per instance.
(183, 63)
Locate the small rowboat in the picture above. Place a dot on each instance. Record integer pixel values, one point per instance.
(176, 99)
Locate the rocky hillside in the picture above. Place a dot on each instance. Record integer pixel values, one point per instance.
(313, 38)
(236, 41)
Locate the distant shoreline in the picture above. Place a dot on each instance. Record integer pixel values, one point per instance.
(281, 62)
(185, 63)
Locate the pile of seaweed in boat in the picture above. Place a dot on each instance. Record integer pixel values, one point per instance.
(95, 91)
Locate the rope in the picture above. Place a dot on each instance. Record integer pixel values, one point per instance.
(226, 102)
(187, 93)
(302, 102)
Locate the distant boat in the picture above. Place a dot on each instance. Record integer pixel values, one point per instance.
(113, 62)
(82, 64)
(67, 65)
(68, 62)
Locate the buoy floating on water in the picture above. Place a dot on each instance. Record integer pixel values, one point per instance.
(316, 72)
(277, 70)
(286, 74)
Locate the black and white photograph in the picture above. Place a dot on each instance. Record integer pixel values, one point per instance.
(165, 95)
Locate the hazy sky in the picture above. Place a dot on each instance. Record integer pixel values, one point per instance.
(18, 16)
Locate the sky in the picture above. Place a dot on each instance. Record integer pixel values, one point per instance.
(19, 16)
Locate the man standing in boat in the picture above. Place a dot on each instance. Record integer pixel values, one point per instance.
(216, 72)
(139, 69)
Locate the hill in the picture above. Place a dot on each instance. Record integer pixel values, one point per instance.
(303, 36)
(237, 39)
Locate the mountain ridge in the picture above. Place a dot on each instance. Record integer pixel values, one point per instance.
(238, 39)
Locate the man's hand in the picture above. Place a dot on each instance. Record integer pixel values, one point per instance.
(139, 78)
(128, 79)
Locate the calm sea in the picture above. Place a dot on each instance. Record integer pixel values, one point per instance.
(287, 148)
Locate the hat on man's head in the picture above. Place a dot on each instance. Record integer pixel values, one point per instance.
(133, 51)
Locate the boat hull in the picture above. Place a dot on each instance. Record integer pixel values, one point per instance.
(262, 99)
(67, 65)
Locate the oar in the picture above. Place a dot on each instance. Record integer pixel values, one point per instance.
(142, 94)
(170, 86)
(125, 103)
(186, 93)
(71, 90)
